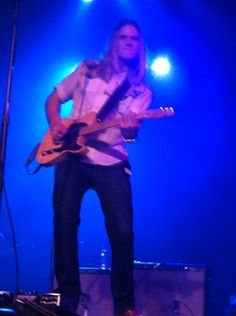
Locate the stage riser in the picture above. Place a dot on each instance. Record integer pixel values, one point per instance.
(158, 292)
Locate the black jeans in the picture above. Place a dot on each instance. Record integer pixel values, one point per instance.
(112, 185)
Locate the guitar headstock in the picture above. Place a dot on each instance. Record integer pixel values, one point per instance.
(168, 110)
(158, 113)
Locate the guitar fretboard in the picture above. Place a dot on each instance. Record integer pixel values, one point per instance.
(98, 126)
(157, 113)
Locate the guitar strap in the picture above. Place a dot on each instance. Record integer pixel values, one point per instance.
(113, 100)
(30, 159)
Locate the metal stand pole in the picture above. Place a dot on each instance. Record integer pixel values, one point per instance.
(6, 116)
(4, 132)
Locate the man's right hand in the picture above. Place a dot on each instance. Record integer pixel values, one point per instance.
(58, 131)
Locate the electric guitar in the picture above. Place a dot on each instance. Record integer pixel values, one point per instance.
(49, 152)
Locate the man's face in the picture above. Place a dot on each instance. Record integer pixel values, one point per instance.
(128, 42)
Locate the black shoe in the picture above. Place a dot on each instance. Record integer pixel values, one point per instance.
(129, 312)
(68, 307)
(63, 312)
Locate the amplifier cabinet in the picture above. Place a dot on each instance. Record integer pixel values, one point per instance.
(161, 290)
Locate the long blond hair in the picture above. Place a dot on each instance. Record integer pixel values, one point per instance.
(110, 62)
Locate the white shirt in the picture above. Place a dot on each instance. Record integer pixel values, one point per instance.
(107, 147)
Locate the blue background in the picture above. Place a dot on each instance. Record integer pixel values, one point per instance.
(183, 167)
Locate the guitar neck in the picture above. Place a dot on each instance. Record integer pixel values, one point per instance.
(95, 127)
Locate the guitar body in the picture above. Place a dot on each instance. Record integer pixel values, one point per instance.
(50, 153)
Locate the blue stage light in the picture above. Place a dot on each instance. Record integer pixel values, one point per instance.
(72, 68)
(6, 311)
(65, 71)
(161, 66)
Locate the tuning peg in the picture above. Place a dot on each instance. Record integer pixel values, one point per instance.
(169, 109)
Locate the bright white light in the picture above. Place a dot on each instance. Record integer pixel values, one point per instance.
(87, 0)
(161, 66)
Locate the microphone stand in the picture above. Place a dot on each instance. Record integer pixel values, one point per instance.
(6, 116)
(4, 133)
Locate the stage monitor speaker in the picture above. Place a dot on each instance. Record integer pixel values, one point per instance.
(161, 290)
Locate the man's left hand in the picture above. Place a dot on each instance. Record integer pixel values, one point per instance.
(129, 125)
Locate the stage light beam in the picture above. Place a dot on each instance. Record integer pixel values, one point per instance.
(161, 66)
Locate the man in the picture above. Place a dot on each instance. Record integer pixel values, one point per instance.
(103, 167)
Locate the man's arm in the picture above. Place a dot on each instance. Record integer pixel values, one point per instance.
(53, 105)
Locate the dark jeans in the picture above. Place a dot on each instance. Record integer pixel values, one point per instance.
(112, 185)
